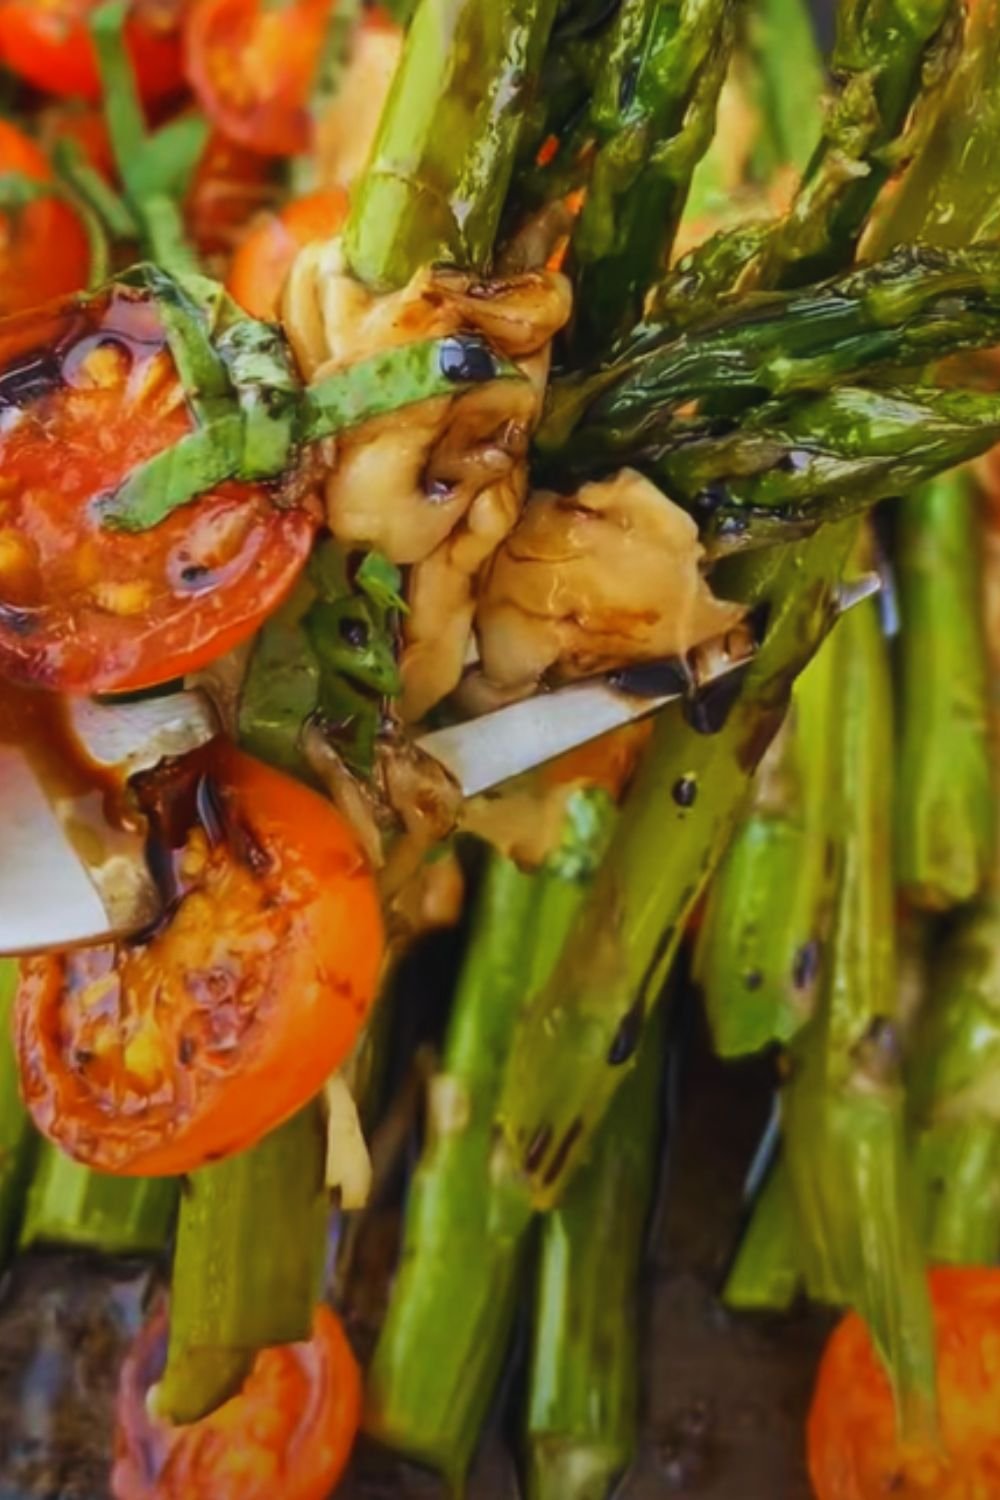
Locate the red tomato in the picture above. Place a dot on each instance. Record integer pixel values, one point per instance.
(157, 1056)
(231, 185)
(48, 43)
(288, 1434)
(264, 259)
(83, 125)
(854, 1453)
(90, 391)
(252, 67)
(44, 251)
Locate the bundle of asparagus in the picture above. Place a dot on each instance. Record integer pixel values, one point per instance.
(775, 390)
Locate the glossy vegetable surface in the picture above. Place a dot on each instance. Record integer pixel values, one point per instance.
(288, 1432)
(44, 248)
(854, 1453)
(159, 1056)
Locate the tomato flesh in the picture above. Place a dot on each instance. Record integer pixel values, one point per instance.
(252, 67)
(44, 250)
(157, 1056)
(88, 392)
(854, 1453)
(47, 42)
(288, 1433)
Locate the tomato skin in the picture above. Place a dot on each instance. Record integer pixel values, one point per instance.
(264, 259)
(85, 608)
(252, 67)
(158, 1056)
(288, 1433)
(853, 1451)
(49, 45)
(44, 250)
(230, 186)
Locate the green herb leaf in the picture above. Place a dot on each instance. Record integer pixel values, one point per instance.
(401, 377)
(382, 581)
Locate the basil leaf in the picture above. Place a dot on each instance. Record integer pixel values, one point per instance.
(196, 464)
(400, 377)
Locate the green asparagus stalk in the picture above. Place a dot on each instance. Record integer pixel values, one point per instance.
(761, 942)
(442, 162)
(765, 1276)
(792, 466)
(582, 1420)
(906, 310)
(575, 1040)
(951, 193)
(70, 1205)
(248, 1266)
(945, 805)
(652, 114)
(845, 1141)
(884, 50)
(443, 1342)
(953, 1081)
(18, 1142)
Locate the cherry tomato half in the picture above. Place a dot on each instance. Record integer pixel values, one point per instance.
(853, 1450)
(44, 251)
(252, 68)
(157, 1056)
(48, 43)
(288, 1433)
(90, 391)
(263, 261)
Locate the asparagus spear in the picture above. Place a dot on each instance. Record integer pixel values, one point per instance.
(765, 1275)
(761, 942)
(444, 1339)
(951, 193)
(582, 1420)
(908, 309)
(576, 1039)
(652, 114)
(70, 1205)
(793, 466)
(442, 161)
(883, 50)
(18, 1142)
(844, 1130)
(951, 1078)
(790, 83)
(248, 1265)
(945, 811)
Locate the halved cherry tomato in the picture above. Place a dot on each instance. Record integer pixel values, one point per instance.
(157, 1056)
(90, 391)
(252, 67)
(44, 251)
(48, 43)
(230, 186)
(262, 263)
(854, 1453)
(288, 1434)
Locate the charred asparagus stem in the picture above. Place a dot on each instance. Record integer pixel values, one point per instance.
(951, 194)
(70, 1205)
(761, 942)
(248, 1265)
(945, 805)
(582, 1424)
(435, 186)
(576, 1040)
(18, 1142)
(917, 304)
(441, 1348)
(843, 1110)
(883, 51)
(651, 116)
